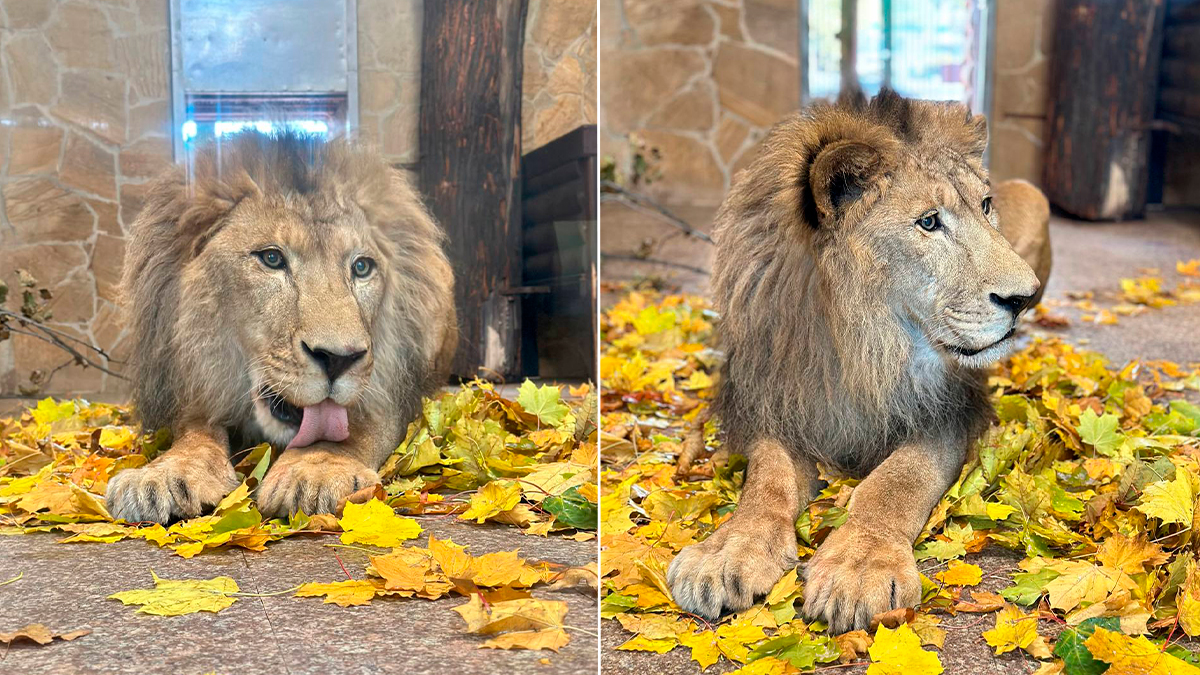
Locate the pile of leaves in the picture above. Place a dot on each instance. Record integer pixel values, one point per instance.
(1092, 473)
(529, 463)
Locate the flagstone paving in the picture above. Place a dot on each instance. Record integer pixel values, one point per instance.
(65, 587)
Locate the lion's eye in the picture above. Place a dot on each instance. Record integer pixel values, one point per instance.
(930, 221)
(987, 206)
(272, 257)
(363, 267)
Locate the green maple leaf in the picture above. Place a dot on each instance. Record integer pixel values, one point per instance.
(801, 650)
(1100, 432)
(572, 509)
(1029, 587)
(545, 402)
(1077, 660)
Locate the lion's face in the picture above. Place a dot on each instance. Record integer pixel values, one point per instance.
(949, 273)
(302, 283)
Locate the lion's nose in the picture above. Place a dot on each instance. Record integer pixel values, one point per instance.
(333, 362)
(1013, 303)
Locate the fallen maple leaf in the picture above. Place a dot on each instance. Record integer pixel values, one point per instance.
(492, 499)
(898, 652)
(171, 597)
(547, 638)
(342, 593)
(376, 524)
(1134, 656)
(1016, 629)
(960, 574)
(529, 623)
(36, 632)
(1170, 501)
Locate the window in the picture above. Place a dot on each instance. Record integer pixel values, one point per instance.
(930, 49)
(304, 77)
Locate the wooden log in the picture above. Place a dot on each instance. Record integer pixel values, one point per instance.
(1181, 73)
(1103, 89)
(1182, 41)
(470, 144)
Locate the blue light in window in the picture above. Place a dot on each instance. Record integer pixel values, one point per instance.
(189, 130)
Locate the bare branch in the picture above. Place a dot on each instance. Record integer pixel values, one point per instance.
(644, 204)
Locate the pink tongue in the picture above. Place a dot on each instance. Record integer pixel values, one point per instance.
(325, 421)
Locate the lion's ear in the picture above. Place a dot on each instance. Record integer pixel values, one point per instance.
(208, 204)
(840, 174)
(979, 134)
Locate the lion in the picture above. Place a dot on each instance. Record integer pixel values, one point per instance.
(285, 289)
(863, 284)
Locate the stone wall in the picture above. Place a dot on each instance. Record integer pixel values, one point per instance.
(85, 101)
(389, 76)
(84, 89)
(1024, 40)
(559, 82)
(700, 80)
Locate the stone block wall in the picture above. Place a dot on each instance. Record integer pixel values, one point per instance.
(700, 80)
(1024, 40)
(559, 80)
(84, 92)
(86, 123)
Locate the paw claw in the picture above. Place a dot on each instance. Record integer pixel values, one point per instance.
(856, 575)
(729, 570)
(312, 482)
(168, 488)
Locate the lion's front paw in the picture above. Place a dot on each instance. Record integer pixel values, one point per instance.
(739, 562)
(170, 487)
(312, 481)
(856, 574)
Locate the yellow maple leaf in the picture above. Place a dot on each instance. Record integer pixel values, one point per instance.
(342, 593)
(492, 499)
(697, 380)
(376, 524)
(960, 574)
(523, 614)
(1189, 601)
(1081, 582)
(643, 643)
(734, 639)
(767, 666)
(555, 478)
(39, 633)
(654, 626)
(1134, 656)
(1190, 268)
(898, 652)
(410, 571)
(1016, 629)
(704, 647)
(547, 638)
(171, 597)
(1130, 554)
(1169, 501)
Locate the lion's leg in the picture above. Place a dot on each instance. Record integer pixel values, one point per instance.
(749, 553)
(866, 566)
(195, 474)
(314, 479)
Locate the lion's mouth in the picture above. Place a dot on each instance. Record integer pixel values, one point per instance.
(281, 410)
(963, 351)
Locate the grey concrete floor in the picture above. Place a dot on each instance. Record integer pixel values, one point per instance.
(1087, 257)
(65, 587)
